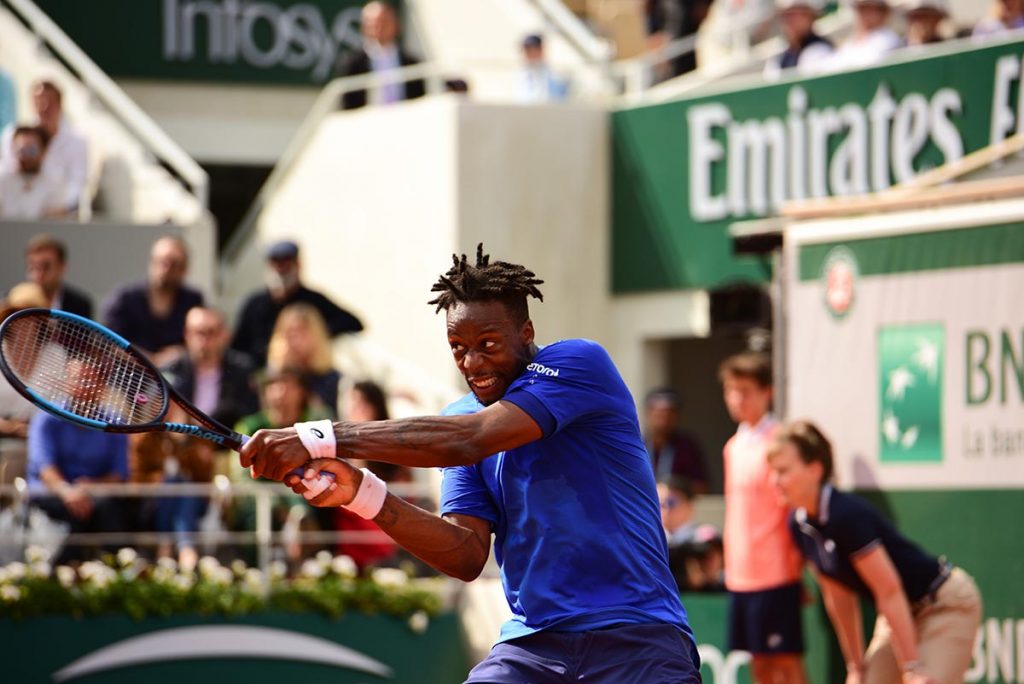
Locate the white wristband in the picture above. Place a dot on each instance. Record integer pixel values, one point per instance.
(318, 438)
(370, 498)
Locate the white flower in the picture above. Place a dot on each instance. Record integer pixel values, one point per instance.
(311, 568)
(168, 563)
(238, 567)
(126, 557)
(208, 565)
(324, 558)
(419, 621)
(65, 575)
(15, 570)
(253, 580)
(390, 577)
(102, 577)
(4, 575)
(39, 570)
(278, 570)
(163, 574)
(37, 554)
(184, 582)
(222, 576)
(10, 593)
(90, 569)
(344, 566)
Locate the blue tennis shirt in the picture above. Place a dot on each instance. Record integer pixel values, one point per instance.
(575, 514)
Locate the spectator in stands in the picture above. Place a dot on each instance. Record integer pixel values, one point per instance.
(260, 311)
(300, 341)
(152, 314)
(167, 458)
(872, 39)
(45, 264)
(214, 378)
(540, 82)
(928, 609)
(381, 54)
(924, 17)
(284, 401)
(63, 456)
(8, 100)
(28, 191)
(15, 410)
(1005, 15)
(366, 401)
(762, 564)
(694, 562)
(677, 498)
(67, 153)
(672, 450)
(806, 51)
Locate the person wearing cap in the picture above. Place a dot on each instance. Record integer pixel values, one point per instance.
(805, 50)
(284, 286)
(872, 39)
(923, 20)
(540, 83)
(928, 610)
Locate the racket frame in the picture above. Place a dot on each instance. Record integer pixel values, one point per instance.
(208, 428)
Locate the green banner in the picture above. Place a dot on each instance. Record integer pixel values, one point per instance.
(684, 171)
(270, 41)
(274, 647)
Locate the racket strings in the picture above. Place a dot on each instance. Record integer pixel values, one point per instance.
(82, 371)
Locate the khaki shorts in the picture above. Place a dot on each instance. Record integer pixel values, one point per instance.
(946, 630)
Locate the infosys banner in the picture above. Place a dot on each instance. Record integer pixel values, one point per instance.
(274, 41)
(684, 171)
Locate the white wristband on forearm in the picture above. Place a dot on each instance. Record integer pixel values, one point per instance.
(370, 498)
(318, 438)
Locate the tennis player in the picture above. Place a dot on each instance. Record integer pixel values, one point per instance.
(545, 453)
(928, 610)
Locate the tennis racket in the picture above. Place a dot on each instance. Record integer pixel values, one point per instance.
(78, 370)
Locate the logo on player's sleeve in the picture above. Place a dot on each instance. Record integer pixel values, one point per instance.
(543, 370)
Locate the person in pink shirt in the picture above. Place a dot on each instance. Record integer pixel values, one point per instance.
(762, 564)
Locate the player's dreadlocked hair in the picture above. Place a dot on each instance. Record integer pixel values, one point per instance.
(499, 281)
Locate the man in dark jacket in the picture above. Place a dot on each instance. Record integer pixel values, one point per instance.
(260, 310)
(217, 380)
(45, 264)
(380, 54)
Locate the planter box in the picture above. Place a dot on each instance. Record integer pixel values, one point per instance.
(266, 647)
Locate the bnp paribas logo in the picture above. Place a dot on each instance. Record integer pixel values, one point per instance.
(910, 361)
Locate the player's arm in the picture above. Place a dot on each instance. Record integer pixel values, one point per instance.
(428, 441)
(843, 608)
(457, 545)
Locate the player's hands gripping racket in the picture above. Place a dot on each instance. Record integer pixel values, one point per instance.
(82, 372)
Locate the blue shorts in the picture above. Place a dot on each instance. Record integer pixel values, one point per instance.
(767, 622)
(625, 654)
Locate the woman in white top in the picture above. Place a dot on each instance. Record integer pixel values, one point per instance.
(871, 41)
(1005, 15)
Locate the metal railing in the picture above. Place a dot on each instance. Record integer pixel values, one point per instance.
(117, 102)
(19, 496)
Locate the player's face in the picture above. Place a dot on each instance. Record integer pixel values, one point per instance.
(746, 400)
(490, 349)
(797, 482)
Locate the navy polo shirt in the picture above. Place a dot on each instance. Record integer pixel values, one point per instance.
(575, 514)
(847, 527)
